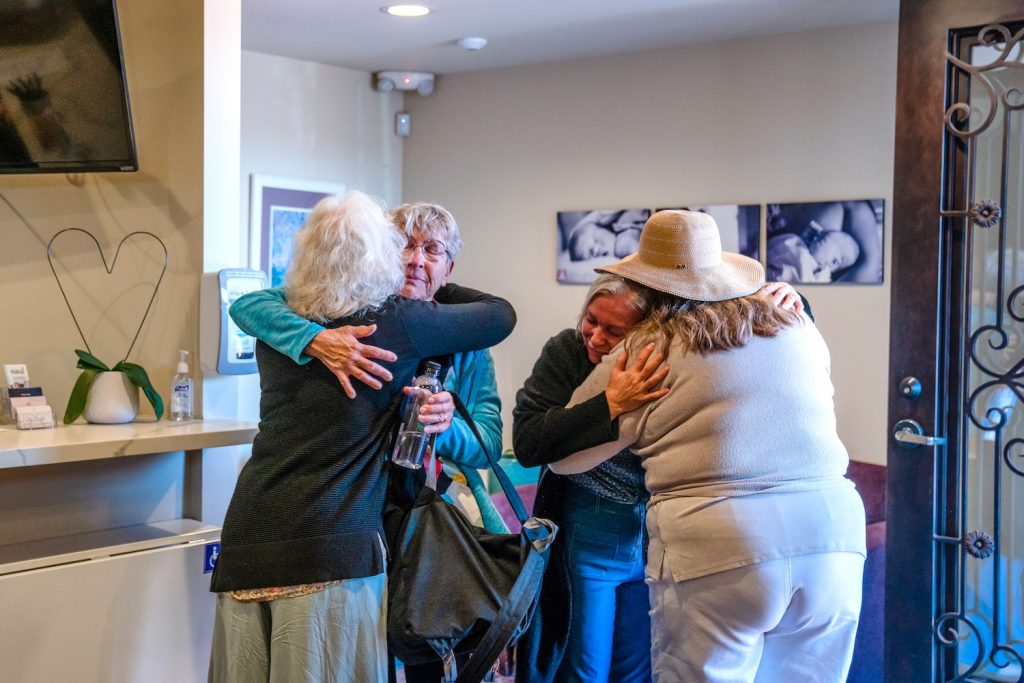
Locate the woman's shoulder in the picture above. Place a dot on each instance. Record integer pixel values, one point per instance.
(371, 316)
(568, 339)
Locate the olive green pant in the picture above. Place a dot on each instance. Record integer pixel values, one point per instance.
(336, 635)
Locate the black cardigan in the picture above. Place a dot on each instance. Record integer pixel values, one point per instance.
(308, 504)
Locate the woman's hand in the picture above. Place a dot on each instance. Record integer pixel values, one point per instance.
(437, 413)
(633, 387)
(783, 295)
(340, 350)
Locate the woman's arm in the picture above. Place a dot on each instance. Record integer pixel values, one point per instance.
(543, 429)
(473, 380)
(631, 387)
(460, 319)
(265, 315)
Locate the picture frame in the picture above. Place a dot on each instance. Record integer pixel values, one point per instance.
(592, 238)
(826, 242)
(278, 207)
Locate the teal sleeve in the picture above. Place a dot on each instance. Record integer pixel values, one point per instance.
(265, 315)
(473, 380)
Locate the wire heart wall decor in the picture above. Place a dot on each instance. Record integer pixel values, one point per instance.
(110, 269)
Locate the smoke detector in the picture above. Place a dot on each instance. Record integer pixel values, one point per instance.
(420, 81)
(472, 43)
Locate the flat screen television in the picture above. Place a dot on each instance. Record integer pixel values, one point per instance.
(63, 95)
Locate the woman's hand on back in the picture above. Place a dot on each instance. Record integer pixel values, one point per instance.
(783, 295)
(631, 387)
(344, 355)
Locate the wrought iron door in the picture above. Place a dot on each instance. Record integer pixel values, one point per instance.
(979, 522)
(955, 504)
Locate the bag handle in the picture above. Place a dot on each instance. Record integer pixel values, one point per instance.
(503, 479)
(506, 620)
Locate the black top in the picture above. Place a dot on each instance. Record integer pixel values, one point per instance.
(544, 430)
(308, 504)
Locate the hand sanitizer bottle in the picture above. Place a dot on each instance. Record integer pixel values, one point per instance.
(181, 390)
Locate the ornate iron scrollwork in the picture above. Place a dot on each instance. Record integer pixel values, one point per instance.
(959, 114)
(984, 124)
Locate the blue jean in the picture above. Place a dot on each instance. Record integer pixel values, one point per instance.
(610, 631)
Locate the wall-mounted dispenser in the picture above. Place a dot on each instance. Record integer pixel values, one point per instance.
(221, 338)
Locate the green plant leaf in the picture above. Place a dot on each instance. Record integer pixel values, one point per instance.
(87, 361)
(76, 403)
(137, 375)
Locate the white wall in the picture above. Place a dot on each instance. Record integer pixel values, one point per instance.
(307, 120)
(799, 117)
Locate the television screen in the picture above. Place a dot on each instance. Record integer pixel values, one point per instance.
(63, 97)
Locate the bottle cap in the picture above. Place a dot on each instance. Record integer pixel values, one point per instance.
(433, 365)
(182, 361)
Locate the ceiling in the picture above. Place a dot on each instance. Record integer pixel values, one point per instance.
(357, 35)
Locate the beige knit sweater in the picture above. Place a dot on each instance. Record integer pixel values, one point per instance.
(755, 419)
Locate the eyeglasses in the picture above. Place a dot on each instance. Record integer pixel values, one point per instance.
(433, 250)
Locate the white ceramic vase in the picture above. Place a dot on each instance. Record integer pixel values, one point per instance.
(112, 399)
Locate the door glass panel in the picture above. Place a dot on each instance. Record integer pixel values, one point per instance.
(990, 627)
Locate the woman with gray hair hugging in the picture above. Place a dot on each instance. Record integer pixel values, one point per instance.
(301, 575)
(756, 537)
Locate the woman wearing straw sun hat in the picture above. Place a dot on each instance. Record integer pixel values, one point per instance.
(756, 537)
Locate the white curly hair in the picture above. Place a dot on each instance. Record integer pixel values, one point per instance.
(347, 259)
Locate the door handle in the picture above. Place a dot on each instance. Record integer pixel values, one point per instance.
(910, 434)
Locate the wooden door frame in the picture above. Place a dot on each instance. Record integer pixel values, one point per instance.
(924, 35)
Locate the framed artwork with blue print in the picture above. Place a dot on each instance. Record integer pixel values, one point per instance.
(278, 209)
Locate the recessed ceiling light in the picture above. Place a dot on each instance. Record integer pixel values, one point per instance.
(406, 10)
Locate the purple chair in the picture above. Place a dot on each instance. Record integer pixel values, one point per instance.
(868, 650)
(527, 492)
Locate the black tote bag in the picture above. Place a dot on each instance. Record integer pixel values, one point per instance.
(454, 588)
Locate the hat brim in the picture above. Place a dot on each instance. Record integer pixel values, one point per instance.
(734, 277)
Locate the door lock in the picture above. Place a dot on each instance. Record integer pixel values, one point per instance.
(910, 387)
(910, 434)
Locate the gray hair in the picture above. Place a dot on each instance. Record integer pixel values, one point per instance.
(347, 258)
(607, 284)
(433, 221)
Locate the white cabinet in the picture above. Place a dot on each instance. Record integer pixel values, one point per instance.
(125, 603)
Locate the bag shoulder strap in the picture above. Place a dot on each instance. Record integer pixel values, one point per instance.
(503, 479)
(508, 618)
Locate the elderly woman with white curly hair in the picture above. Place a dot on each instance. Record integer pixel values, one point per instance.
(756, 537)
(301, 577)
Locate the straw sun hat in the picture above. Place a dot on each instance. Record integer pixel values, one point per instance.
(681, 253)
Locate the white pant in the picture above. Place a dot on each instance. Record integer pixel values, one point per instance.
(791, 620)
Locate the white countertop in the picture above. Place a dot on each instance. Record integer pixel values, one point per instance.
(51, 552)
(24, 448)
